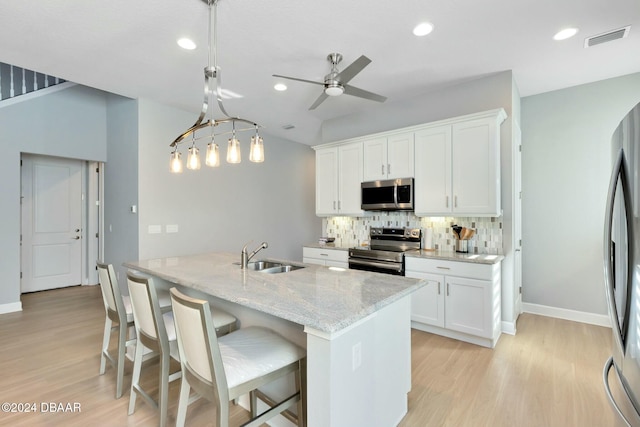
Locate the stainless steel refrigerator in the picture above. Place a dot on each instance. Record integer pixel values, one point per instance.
(621, 373)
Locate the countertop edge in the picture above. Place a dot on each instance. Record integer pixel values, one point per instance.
(458, 257)
(430, 254)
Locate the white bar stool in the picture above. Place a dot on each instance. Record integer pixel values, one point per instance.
(156, 336)
(225, 368)
(118, 310)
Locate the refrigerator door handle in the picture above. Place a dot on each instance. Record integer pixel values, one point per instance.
(618, 174)
(605, 379)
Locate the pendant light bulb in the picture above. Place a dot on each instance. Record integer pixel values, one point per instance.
(233, 151)
(256, 153)
(213, 155)
(193, 159)
(176, 162)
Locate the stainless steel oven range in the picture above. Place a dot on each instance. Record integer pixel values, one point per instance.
(386, 250)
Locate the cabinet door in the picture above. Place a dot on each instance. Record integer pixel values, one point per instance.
(326, 181)
(427, 303)
(375, 159)
(433, 171)
(400, 154)
(349, 179)
(468, 306)
(476, 172)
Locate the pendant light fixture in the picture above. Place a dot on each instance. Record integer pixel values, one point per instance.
(206, 120)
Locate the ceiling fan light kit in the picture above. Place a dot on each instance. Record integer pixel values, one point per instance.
(334, 90)
(213, 85)
(336, 82)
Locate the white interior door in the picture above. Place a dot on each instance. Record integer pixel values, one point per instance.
(51, 223)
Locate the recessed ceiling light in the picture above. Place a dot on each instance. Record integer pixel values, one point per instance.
(280, 87)
(186, 43)
(565, 34)
(423, 29)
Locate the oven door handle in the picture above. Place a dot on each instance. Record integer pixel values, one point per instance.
(386, 266)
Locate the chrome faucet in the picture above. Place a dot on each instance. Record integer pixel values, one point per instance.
(244, 257)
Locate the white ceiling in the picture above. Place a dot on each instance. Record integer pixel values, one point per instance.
(128, 47)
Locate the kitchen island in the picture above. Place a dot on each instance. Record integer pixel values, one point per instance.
(355, 326)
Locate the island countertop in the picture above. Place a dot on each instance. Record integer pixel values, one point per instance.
(322, 298)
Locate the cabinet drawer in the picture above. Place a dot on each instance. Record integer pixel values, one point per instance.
(326, 254)
(452, 268)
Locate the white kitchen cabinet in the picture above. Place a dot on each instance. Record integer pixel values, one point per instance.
(338, 179)
(326, 256)
(461, 300)
(457, 167)
(389, 157)
(427, 304)
(432, 184)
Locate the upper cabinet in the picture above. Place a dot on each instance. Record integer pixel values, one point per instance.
(455, 163)
(338, 178)
(458, 167)
(389, 157)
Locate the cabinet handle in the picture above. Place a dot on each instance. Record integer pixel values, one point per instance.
(447, 289)
(382, 169)
(324, 254)
(455, 201)
(438, 288)
(447, 202)
(443, 268)
(338, 204)
(389, 168)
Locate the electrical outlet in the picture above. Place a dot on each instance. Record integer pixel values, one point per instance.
(356, 353)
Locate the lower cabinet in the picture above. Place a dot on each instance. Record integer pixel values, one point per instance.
(326, 256)
(461, 300)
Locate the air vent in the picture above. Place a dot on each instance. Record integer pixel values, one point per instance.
(620, 33)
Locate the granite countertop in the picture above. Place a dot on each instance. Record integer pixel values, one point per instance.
(456, 256)
(324, 298)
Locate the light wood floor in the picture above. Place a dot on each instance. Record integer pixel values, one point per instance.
(548, 375)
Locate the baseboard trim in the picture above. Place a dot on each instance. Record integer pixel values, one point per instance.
(566, 314)
(11, 307)
(509, 328)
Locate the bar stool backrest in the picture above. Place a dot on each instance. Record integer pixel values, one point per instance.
(198, 346)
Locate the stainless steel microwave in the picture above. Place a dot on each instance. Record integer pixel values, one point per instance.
(388, 195)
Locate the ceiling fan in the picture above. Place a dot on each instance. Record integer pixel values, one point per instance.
(335, 83)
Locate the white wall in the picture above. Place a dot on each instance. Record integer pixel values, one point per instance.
(121, 184)
(66, 123)
(226, 207)
(566, 165)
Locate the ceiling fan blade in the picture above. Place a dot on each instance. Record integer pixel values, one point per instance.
(350, 72)
(319, 101)
(300, 80)
(361, 93)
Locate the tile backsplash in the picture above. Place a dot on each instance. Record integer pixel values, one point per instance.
(353, 231)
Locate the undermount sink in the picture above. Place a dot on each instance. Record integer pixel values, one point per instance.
(272, 267)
